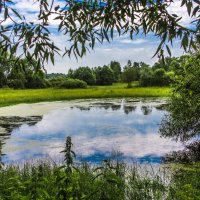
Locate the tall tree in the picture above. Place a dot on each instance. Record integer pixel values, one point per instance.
(132, 72)
(116, 67)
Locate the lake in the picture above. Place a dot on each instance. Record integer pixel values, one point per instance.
(99, 129)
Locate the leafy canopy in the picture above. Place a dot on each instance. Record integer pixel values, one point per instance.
(86, 22)
(183, 121)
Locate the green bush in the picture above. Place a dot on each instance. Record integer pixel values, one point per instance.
(35, 82)
(186, 182)
(73, 83)
(2, 79)
(84, 74)
(56, 82)
(16, 84)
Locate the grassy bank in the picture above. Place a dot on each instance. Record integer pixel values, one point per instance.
(10, 96)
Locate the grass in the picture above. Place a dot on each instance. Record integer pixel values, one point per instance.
(10, 96)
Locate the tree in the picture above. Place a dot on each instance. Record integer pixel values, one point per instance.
(16, 78)
(164, 65)
(84, 74)
(104, 75)
(128, 75)
(88, 22)
(145, 75)
(183, 121)
(160, 77)
(116, 67)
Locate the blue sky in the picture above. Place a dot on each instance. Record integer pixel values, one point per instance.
(121, 49)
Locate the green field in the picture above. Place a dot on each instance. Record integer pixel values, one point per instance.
(10, 96)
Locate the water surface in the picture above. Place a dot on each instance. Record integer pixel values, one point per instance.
(97, 127)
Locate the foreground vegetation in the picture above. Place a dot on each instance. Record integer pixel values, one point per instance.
(10, 96)
(112, 180)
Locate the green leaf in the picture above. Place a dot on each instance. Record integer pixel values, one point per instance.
(106, 35)
(189, 7)
(168, 50)
(16, 13)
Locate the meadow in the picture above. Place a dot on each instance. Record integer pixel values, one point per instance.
(11, 96)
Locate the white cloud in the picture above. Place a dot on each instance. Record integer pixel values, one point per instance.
(122, 49)
(134, 41)
(97, 131)
(175, 8)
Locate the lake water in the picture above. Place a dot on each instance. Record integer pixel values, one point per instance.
(99, 129)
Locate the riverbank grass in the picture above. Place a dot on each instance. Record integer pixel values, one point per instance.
(10, 96)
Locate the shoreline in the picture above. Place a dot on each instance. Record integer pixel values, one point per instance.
(10, 97)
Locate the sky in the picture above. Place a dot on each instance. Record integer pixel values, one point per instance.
(121, 49)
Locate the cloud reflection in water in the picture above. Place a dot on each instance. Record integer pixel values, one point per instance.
(96, 132)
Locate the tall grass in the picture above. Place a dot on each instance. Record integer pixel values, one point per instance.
(10, 96)
(112, 180)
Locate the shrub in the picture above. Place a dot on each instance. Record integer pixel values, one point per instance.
(16, 84)
(73, 83)
(186, 182)
(145, 78)
(56, 82)
(2, 79)
(34, 82)
(84, 74)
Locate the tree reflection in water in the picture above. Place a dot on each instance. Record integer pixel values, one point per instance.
(147, 110)
(1, 153)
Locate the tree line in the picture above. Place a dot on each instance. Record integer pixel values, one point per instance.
(25, 74)
(159, 74)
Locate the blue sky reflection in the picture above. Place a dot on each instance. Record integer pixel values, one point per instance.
(96, 132)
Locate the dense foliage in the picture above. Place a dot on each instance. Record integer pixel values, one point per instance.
(29, 75)
(183, 120)
(72, 83)
(186, 182)
(84, 74)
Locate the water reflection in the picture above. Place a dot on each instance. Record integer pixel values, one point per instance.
(11, 123)
(1, 153)
(147, 110)
(97, 129)
(8, 124)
